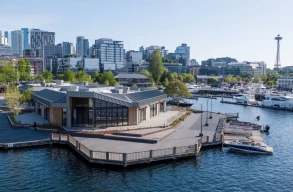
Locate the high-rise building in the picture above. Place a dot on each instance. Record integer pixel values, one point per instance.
(110, 54)
(53, 51)
(149, 50)
(17, 46)
(133, 56)
(66, 48)
(184, 49)
(1, 37)
(79, 46)
(72, 49)
(86, 47)
(25, 38)
(40, 38)
(7, 36)
(82, 47)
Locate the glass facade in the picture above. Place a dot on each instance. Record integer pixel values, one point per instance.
(110, 114)
(87, 112)
(162, 107)
(64, 117)
(39, 108)
(82, 112)
(142, 114)
(47, 113)
(153, 110)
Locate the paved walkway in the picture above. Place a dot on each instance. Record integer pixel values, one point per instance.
(13, 135)
(30, 118)
(185, 135)
(157, 121)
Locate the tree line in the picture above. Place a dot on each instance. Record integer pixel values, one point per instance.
(106, 78)
(159, 75)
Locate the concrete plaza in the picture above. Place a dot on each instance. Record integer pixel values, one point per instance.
(185, 134)
(13, 135)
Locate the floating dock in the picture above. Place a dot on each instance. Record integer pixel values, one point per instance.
(255, 105)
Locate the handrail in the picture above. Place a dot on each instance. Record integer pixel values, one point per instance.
(128, 157)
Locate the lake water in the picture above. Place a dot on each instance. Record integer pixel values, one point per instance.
(55, 169)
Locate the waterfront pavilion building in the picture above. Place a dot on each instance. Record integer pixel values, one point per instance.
(93, 106)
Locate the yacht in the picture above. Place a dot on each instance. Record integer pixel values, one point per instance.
(249, 147)
(193, 88)
(182, 102)
(245, 99)
(278, 101)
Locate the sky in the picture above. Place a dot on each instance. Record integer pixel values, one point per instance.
(244, 30)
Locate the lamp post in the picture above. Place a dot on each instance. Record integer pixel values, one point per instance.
(211, 108)
(201, 134)
(207, 113)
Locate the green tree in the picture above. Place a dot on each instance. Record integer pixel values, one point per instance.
(180, 77)
(166, 82)
(24, 69)
(147, 74)
(177, 89)
(108, 75)
(106, 82)
(60, 76)
(164, 75)
(213, 80)
(69, 76)
(174, 76)
(48, 76)
(9, 72)
(27, 96)
(81, 76)
(156, 66)
(256, 79)
(187, 77)
(229, 78)
(40, 78)
(238, 78)
(2, 78)
(13, 99)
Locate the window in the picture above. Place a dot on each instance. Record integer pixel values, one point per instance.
(64, 117)
(82, 112)
(142, 114)
(153, 110)
(110, 114)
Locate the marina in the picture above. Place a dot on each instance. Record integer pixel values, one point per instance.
(209, 159)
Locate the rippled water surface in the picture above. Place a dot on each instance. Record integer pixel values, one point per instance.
(55, 169)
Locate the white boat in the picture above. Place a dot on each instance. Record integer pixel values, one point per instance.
(193, 88)
(249, 147)
(182, 102)
(278, 101)
(245, 99)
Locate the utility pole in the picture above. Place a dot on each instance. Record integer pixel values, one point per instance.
(211, 108)
(207, 112)
(201, 134)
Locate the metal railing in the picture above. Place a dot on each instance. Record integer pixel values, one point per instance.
(128, 157)
(99, 155)
(138, 155)
(84, 150)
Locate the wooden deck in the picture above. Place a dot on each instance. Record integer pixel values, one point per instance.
(126, 159)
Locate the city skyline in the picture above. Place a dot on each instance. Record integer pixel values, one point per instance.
(211, 29)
